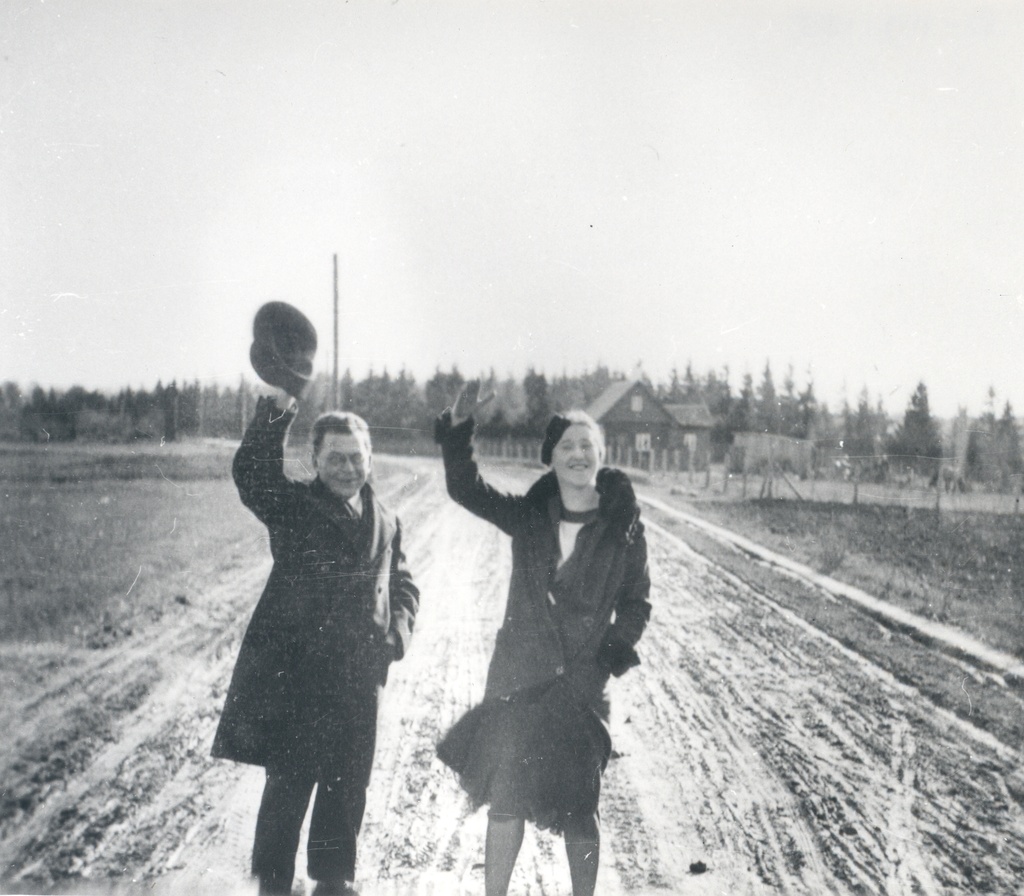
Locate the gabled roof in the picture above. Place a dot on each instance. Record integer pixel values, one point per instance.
(609, 398)
(694, 415)
(691, 416)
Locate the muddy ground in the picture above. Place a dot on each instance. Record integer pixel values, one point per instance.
(787, 747)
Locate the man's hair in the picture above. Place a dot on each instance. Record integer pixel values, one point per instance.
(343, 422)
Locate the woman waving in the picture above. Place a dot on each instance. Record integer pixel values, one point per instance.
(537, 745)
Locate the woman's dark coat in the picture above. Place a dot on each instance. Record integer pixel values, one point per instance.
(339, 605)
(529, 649)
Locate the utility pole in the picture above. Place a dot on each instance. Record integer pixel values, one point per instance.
(334, 379)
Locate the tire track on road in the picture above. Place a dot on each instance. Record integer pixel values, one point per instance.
(747, 739)
(824, 720)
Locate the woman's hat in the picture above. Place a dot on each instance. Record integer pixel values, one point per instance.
(557, 426)
(283, 347)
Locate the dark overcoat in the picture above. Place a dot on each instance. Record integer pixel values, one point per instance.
(338, 607)
(531, 647)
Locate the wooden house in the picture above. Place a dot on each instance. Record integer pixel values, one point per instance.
(639, 428)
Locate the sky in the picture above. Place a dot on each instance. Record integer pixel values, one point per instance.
(832, 187)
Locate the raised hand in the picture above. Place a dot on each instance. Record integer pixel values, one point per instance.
(283, 399)
(469, 402)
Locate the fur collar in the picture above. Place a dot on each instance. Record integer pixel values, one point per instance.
(617, 504)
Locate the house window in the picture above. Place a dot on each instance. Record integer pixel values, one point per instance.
(643, 441)
(636, 404)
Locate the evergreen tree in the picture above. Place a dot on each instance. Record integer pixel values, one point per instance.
(767, 417)
(11, 400)
(806, 412)
(916, 441)
(787, 402)
(826, 429)
(691, 387)
(170, 412)
(538, 403)
(978, 463)
(719, 401)
(717, 394)
(410, 410)
(741, 414)
(670, 394)
(1007, 447)
(566, 393)
(188, 409)
(595, 383)
(859, 429)
(441, 390)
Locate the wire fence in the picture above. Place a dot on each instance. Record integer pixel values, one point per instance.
(716, 483)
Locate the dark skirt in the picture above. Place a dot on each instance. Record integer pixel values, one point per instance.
(538, 755)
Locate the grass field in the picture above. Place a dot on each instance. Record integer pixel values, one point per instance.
(86, 562)
(60, 462)
(98, 540)
(961, 568)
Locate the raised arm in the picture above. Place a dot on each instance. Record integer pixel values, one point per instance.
(258, 467)
(465, 484)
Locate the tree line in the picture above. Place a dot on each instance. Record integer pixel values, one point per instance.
(986, 448)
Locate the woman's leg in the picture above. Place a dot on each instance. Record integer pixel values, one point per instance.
(583, 847)
(504, 837)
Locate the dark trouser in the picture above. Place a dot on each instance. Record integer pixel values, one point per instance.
(334, 827)
(337, 810)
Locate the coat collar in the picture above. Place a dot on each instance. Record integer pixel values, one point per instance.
(382, 521)
(617, 507)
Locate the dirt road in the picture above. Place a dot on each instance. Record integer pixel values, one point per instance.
(748, 740)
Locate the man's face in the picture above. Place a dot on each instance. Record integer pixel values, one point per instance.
(343, 463)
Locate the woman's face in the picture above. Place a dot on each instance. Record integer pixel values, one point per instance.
(577, 456)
